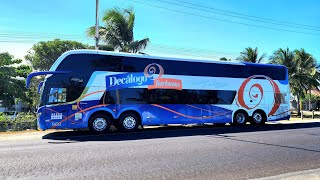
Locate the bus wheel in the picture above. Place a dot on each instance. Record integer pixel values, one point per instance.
(258, 117)
(99, 124)
(128, 122)
(240, 118)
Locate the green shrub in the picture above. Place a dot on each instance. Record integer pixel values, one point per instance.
(4, 121)
(21, 122)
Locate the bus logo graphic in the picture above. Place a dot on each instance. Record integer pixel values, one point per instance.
(166, 83)
(126, 80)
(151, 70)
(259, 96)
(152, 76)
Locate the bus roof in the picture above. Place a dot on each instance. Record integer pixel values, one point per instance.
(112, 53)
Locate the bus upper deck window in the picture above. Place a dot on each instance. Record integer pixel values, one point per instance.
(57, 95)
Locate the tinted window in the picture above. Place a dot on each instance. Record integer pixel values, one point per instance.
(132, 64)
(109, 97)
(87, 63)
(164, 96)
(90, 62)
(225, 97)
(132, 96)
(207, 97)
(275, 72)
(167, 96)
(125, 96)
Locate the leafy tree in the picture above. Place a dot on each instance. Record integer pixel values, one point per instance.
(302, 70)
(223, 59)
(307, 71)
(103, 47)
(287, 58)
(284, 57)
(118, 31)
(43, 54)
(251, 55)
(106, 48)
(12, 74)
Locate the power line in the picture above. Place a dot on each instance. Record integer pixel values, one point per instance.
(186, 54)
(35, 38)
(38, 33)
(28, 37)
(232, 12)
(195, 50)
(190, 51)
(225, 20)
(22, 42)
(237, 16)
(26, 40)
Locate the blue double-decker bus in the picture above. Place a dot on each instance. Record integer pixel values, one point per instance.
(95, 89)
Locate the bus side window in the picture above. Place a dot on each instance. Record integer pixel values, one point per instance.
(109, 97)
(57, 95)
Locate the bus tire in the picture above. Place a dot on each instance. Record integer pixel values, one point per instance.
(99, 123)
(240, 118)
(258, 117)
(129, 122)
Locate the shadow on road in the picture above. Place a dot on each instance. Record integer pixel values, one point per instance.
(175, 131)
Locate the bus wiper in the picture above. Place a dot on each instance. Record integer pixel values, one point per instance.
(30, 76)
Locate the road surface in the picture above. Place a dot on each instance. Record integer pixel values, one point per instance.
(207, 152)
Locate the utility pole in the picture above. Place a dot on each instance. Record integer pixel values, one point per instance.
(97, 25)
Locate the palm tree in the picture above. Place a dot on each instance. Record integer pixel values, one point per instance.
(301, 69)
(118, 31)
(287, 58)
(307, 72)
(284, 57)
(251, 55)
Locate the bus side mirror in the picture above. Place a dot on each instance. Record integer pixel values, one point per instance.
(30, 76)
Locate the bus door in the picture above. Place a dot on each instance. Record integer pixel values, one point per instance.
(56, 112)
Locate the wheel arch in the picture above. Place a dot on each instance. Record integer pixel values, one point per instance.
(262, 112)
(99, 111)
(239, 110)
(131, 111)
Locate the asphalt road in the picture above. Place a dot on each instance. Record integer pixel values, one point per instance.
(165, 153)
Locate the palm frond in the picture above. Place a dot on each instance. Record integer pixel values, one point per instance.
(137, 46)
(251, 55)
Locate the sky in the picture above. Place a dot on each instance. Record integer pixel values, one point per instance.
(190, 28)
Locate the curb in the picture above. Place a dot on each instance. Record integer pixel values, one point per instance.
(311, 174)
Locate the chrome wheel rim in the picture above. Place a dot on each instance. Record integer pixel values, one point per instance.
(129, 122)
(257, 117)
(240, 118)
(100, 124)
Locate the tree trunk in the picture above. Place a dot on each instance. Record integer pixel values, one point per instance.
(310, 99)
(298, 98)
